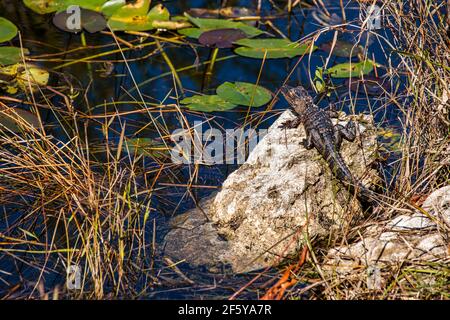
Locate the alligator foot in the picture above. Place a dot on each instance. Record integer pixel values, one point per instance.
(290, 124)
(348, 132)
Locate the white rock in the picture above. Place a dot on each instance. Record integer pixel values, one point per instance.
(281, 192)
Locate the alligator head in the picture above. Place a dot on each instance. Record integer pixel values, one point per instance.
(297, 97)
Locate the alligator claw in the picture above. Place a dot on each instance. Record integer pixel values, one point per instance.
(290, 124)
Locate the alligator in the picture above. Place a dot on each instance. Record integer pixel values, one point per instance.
(326, 138)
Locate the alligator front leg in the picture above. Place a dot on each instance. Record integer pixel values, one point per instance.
(333, 114)
(291, 124)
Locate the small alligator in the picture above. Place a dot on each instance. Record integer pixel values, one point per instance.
(326, 138)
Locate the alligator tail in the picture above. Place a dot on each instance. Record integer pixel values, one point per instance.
(340, 170)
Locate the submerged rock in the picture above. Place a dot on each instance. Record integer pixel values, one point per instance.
(267, 206)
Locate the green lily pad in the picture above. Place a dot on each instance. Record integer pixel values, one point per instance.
(11, 55)
(192, 32)
(146, 147)
(16, 120)
(94, 5)
(275, 48)
(346, 70)
(49, 6)
(7, 30)
(243, 93)
(207, 103)
(110, 7)
(132, 20)
(204, 25)
(32, 77)
(45, 6)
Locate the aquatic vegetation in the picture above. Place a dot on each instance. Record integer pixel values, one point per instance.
(90, 21)
(207, 103)
(10, 55)
(17, 120)
(221, 38)
(7, 30)
(203, 25)
(351, 69)
(246, 94)
(272, 48)
(137, 18)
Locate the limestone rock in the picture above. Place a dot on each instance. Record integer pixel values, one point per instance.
(266, 206)
(421, 236)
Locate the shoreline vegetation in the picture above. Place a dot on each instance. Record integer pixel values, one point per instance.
(68, 199)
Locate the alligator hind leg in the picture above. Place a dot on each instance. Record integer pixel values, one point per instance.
(348, 132)
(307, 143)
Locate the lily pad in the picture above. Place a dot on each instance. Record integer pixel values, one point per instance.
(32, 77)
(16, 120)
(275, 48)
(7, 30)
(243, 93)
(207, 103)
(91, 21)
(170, 24)
(204, 25)
(45, 6)
(341, 49)
(221, 38)
(146, 147)
(228, 12)
(236, 12)
(133, 20)
(11, 55)
(110, 7)
(347, 70)
(192, 32)
(49, 6)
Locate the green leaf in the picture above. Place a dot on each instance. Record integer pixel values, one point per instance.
(32, 77)
(243, 93)
(192, 32)
(128, 20)
(45, 6)
(11, 55)
(207, 103)
(110, 7)
(94, 5)
(213, 24)
(145, 147)
(275, 48)
(49, 6)
(7, 30)
(346, 70)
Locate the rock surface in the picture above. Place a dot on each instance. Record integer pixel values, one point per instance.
(420, 236)
(265, 208)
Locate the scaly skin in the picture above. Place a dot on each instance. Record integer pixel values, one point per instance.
(326, 138)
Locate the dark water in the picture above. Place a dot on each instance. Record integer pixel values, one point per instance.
(41, 37)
